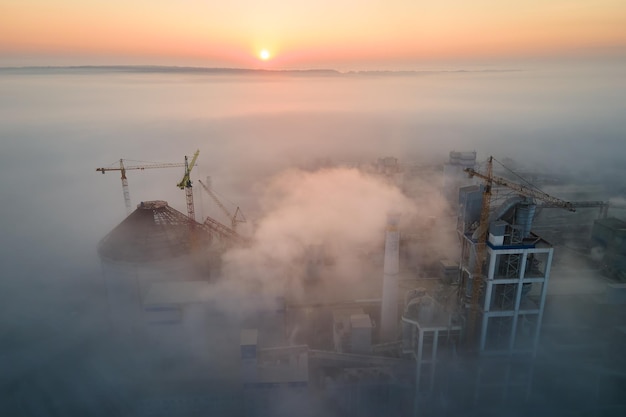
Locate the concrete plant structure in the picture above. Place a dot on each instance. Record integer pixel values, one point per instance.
(461, 333)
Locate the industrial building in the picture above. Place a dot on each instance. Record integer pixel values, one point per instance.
(432, 338)
(155, 274)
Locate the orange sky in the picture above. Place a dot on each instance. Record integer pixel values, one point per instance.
(346, 34)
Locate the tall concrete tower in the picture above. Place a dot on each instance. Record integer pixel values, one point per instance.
(389, 307)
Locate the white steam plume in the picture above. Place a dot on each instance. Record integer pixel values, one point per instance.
(337, 214)
(618, 202)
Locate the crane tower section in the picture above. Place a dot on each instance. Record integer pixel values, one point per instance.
(185, 184)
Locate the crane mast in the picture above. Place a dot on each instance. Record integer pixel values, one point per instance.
(480, 252)
(122, 168)
(125, 189)
(185, 184)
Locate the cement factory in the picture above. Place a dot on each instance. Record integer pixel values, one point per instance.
(523, 312)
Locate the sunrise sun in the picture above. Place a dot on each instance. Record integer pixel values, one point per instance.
(264, 54)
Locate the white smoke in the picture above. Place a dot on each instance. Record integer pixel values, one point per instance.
(331, 217)
(618, 202)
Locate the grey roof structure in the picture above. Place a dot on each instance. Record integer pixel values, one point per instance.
(153, 232)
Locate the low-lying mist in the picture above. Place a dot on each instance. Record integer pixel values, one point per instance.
(258, 140)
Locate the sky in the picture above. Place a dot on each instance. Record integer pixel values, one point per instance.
(347, 34)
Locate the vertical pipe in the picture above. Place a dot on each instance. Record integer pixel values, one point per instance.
(493, 257)
(518, 300)
(418, 369)
(544, 291)
(433, 360)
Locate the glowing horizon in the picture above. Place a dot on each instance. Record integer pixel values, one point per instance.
(320, 34)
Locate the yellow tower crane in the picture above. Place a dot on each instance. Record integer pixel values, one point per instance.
(185, 184)
(123, 168)
(519, 188)
(238, 217)
(483, 227)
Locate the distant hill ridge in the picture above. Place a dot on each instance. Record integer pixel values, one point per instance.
(229, 71)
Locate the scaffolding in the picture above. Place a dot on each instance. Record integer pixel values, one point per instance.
(514, 298)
